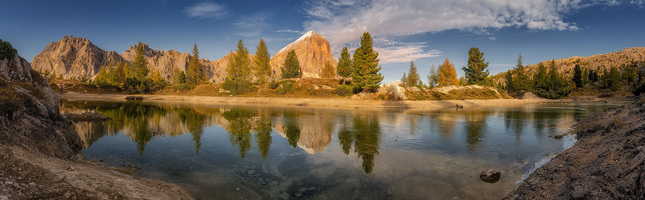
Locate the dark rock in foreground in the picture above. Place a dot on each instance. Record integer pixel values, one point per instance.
(607, 162)
(490, 175)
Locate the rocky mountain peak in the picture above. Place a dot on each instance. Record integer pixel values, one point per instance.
(73, 57)
(313, 51)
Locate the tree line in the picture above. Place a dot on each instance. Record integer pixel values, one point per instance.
(476, 73)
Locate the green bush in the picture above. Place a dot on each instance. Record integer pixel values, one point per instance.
(287, 87)
(344, 90)
(273, 85)
(236, 88)
(181, 87)
(6, 50)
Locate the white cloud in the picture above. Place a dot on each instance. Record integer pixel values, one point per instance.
(205, 10)
(343, 22)
(288, 31)
(391, 51)
(252, 25)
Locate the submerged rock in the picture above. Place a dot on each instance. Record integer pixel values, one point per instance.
(490, 175)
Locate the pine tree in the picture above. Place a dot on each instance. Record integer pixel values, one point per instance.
(119, 74)
(291, 67)
(577, 76)
(476, 72)
(366, 74)
(239, 70)
(182, 78)
(510, 83)
(345, 66)
(585, 76)
(433, 77)
(614, 79)
(101, 79)
(262, 62)
(328, 70)
(522, 81)
(176, 73)
(195, 73)
(447, 74)
(412, 79)
(139, 68)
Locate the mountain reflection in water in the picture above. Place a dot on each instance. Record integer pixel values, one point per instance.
(399, 153)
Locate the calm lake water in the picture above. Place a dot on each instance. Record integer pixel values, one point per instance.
(233, 152)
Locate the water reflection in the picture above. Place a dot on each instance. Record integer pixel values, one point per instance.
(312, 131)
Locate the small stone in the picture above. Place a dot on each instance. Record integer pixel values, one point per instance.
(297, 195)
(302, 189)
(251, 172)
(312, 188)
(70, 168)
(490, 175)
(32, 184)
(8, 183)
(237, 189)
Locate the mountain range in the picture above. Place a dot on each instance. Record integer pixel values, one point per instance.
(75, 58)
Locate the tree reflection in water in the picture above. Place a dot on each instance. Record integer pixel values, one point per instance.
(365, 134)
(239, 128)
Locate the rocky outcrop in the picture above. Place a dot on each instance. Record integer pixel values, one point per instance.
(313, 52)
(216, 70)
(163, 61)
(73, 57)
(29, 116)
(39, 148)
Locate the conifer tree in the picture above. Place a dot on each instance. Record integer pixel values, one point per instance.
(447, 74)
(366, 74)
(102, 79)
(175, 75)
(345, 66)
(476, 72)
(433, 77)
(239, 70)
(139, 68)
(577, 76)
(291, 67)
(119, 74)
(412, 79)
(510, 82)
(195, 73)
(182, 78)
(522, 81)
(328, 70)
(262, 62)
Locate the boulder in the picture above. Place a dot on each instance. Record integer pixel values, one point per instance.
(490, 175)
(393, 91)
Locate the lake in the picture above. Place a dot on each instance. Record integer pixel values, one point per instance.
(233, 152)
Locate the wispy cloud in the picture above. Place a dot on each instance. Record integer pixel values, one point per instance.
(252, 25)
(343, 22)
(391, 51)
(288, 31)
(205, 10)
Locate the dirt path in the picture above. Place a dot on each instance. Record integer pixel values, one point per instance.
(607, 162)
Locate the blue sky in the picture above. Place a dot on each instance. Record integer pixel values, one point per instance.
(426, 31)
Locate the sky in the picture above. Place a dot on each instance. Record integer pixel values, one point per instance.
(424, 31)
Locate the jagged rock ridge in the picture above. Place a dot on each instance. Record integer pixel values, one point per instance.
(73, 57)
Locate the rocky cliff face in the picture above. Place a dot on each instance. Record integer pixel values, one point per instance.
(216, 70)
(313, 51)
(29, 115)
(163, 61)
(73, 57)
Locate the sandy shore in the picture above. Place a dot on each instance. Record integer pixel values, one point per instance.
(341, 103)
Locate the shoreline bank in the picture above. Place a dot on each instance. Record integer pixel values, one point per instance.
(607, 161)
(337, 103)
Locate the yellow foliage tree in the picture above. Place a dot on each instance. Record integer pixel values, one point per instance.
(447, 74)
